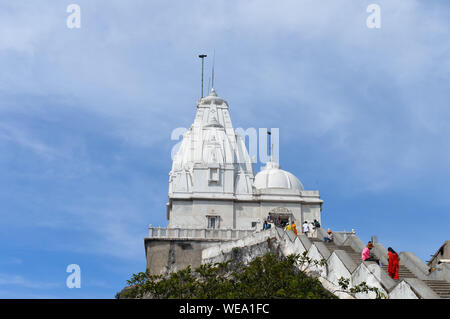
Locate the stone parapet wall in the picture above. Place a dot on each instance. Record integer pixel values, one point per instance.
(197, 233)
(220, 252)
(165, 255)
(441, 272)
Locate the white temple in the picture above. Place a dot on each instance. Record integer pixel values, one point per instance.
(217, 206)
(212, 184)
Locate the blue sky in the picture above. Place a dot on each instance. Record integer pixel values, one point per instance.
(86, 116)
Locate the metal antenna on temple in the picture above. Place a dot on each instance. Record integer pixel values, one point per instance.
(214, 61)
(202, 56)
(209, 84)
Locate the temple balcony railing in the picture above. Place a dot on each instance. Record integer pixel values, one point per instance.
(216, 234)
(198, 233)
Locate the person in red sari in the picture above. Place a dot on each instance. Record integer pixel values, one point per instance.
(393, 263)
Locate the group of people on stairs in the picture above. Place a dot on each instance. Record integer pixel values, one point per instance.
(393, 257)
(308, 229)
(393, 260)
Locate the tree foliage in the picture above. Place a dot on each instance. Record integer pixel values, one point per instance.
(344, 283)
(264, 277)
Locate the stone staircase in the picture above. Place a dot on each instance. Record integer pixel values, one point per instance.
(355, 256)
(343, 260)
(403, 272)
(440, 287)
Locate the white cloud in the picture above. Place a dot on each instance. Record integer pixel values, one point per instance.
(5, 260)
(22, 138)
(20, 281)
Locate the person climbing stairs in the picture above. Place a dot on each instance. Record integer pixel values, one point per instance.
(440, 287)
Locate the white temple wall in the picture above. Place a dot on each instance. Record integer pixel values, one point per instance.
(228, 177)
(235, 214)
(181, 214)
(247, 213)
(311, 212)
(206, 184)
(194, 213)
(224, 209)
(202, 185)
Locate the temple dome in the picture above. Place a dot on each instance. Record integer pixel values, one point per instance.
(272, 176)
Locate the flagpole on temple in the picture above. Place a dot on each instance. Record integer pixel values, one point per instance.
(270, 145)
(202, 56)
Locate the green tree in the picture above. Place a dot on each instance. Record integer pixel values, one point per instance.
(344, 283)
(268, 276)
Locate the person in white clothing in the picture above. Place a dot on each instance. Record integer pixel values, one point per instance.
(305, 228)
(312, 230)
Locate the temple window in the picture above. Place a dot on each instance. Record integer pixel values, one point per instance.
(213, 222)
